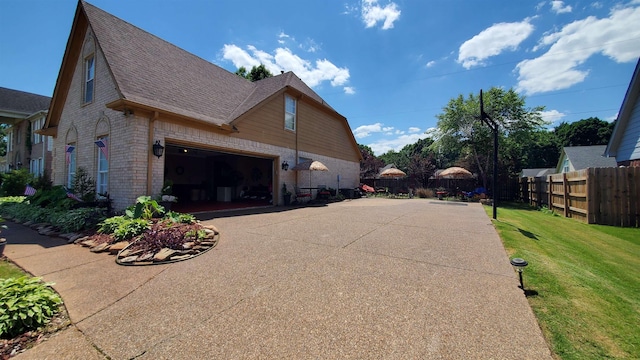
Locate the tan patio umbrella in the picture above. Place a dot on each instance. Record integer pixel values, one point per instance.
(393, 173)
(310, 166)
(455, 173)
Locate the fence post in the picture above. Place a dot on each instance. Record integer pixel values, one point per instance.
(550, 191)
(565, 194)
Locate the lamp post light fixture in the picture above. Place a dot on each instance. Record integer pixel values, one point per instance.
(285, 165)
(519, 264)
(158, 149)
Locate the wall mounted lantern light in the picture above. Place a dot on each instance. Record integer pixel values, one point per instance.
(285, 166)
(158, 149)
(519, 264)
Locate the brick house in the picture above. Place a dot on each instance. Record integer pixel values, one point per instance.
(25, 113)
(120, 90)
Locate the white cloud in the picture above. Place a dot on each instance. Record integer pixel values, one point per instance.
(431, 63)
(312, 73)
(310, 46)
(396, 144)
(413, 130)
(349, 90)
(493, 41)
(559, 7)
(552, 116)
(372, 13)
(366, 130)
(617, 37)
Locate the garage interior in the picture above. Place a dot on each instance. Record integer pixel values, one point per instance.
(210, 180)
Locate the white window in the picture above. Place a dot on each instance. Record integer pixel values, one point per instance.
(36, 167)
(102, 183)
(10, 139)
(565, 166)
(289, 113)
(37, 125)
(90, 70)
(71, 164)
(49, 141)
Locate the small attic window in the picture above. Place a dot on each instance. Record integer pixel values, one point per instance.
(289, 113)
(89, 77)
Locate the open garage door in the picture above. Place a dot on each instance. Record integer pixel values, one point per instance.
(210, 180)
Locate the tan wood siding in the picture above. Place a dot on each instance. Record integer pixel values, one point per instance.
(318, 131)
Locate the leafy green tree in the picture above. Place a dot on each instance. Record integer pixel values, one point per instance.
(242, 72)
(370, 163)
(460, 129)
(399, 158)
(257, 73)
(421, 168)
(586, 132)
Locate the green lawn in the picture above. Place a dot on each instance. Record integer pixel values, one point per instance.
(583, 281)
(7, 270)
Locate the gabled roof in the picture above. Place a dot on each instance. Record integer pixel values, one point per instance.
(156, 75)
(624, 115)
(20, 104)
(537, 172)
(583, 157)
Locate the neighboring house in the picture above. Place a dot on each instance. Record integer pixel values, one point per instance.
(575, 158)
(121, 90)
(24, 113)
(624, 144)
(542, 172)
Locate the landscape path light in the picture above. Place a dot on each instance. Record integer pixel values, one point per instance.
(519, 264)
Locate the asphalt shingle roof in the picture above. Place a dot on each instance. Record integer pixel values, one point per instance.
(583, 157)
(23, 102)
(156, 73)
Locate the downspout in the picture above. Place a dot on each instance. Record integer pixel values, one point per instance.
(152, 120)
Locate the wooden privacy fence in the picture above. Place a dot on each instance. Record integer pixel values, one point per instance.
(607, 196)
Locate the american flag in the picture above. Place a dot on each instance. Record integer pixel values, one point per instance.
(102, 144)
(29, 190)
(68, 149)
(71, 195)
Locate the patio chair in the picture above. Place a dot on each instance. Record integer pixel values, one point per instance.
(301, 195)
(323, 193)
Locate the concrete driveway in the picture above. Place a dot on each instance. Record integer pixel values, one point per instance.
(367, 278)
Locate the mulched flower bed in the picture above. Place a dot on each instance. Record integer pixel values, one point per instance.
(164, 242)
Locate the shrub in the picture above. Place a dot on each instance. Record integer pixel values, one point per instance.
(54, 198)
(77, 219)
(43, 182)
(109, 225)
(14, 182)
(166, 234)
(145, 208)
(83, 185)
(27, 304)
(424, 193)
(130, 228)
(180, 217)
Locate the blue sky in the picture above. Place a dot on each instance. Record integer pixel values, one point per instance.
(388, 66)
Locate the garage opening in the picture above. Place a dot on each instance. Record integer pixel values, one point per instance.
(208, 180)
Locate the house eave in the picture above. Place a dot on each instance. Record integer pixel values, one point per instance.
(129, 107)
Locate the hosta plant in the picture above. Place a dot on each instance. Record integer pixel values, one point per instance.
(27, 304)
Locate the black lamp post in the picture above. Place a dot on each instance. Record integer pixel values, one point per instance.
(494, 129)
(519, 264)
(158, 149)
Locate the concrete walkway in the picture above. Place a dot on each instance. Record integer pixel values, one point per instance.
(367, 278)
